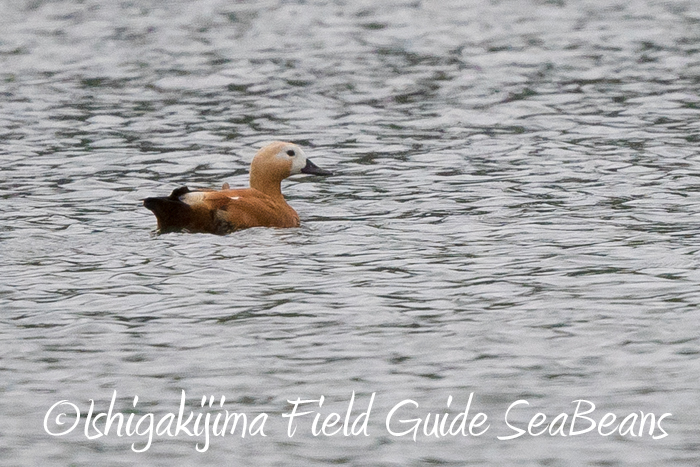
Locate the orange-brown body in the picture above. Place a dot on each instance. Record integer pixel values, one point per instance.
(227, 210)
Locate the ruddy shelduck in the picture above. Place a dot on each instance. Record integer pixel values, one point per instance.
(226, 210)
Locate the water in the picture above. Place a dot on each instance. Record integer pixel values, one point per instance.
(514, 215)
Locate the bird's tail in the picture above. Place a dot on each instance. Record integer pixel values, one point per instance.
(171, 213)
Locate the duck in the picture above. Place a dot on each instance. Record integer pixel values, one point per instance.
(228, 210)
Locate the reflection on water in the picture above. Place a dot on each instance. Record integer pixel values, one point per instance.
(515, 214)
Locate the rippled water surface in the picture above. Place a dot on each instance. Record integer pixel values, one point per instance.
(515, 214)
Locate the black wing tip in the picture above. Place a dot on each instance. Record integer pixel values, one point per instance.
(164, 206)
(177, 192)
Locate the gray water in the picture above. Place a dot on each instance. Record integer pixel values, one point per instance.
(515, 214)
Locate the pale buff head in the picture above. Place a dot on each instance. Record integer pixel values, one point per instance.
(277, 161)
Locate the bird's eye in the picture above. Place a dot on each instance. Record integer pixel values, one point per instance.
(291, 153)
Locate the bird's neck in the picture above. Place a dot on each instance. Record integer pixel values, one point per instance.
(271, 187)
